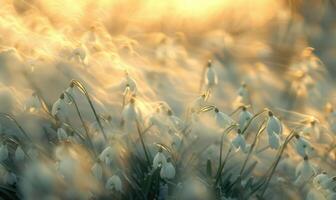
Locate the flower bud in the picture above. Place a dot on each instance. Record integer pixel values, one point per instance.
(159, 159)
(167, 170)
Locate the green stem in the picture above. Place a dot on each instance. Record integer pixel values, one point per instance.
(261, 129)
(143, 143)
(82, 121)
(250, 121)
(80, 86)
(218, 177)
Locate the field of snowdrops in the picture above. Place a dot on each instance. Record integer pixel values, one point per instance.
(168, 100)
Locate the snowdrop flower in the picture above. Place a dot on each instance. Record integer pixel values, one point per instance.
(243, 95)
(311, 130)
(198, 103)
(159, 159)
(71, 91)
(211, 78)
(107, 155)
(174, 122)
(239, 142)
(10, 178)
(61, 134)
(304, 171)
(130, 83)
(321, 180)
(114, 183)
(303, 146)
(79, 54)
(33, 103)
(130, 114)
(244, 118)
(167, 170)
(176, 141)
(222, 119)
(157, 119)
(19, 154)
(3, 152)
(97, 171)
(59, 108)
(273, 124)
(273, 140)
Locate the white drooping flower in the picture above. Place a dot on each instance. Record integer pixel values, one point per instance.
(59, 108)
(322, 180)
(61, 134)
(79, 54)
(243, 94)
(108, 155)
(239, 142)
(3, 152)
(222, 119)
(311, 130)
(273, 124)
(167, 170)
(198, 103)
(130, 115)
(70, 90)
(176, 141)
(19, 154)
(274, 140)
(303, 147)
(114, 183)
(175, 124)
(159, 159)
(10, 178)
(211, 78)
(97, 171)
(244, 118)
(130, 83)
(304, 172)
(157, 119)
(33, 103)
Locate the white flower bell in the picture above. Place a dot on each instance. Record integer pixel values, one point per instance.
(159, 159)
(244, 118)
(114, 183)
(130, 83)
(167, 170)
(303, 146)
(211, 78)
(3, 152)
(321, 180)
(107, 155)
(239, 142)
(59, 108)
(304, 172)
(273, 124)
(222, 119)
(198, 103)
(130, 115)
(33, 103)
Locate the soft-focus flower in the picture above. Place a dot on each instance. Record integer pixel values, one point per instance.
(19, 154)
(97, 171)
(304, 171)
(321, 181)
(198, 103)
(303, 146)
(211, 78)
(159, 159)
(107, 155)
(311, 130)
(244, 118)
(114, 183)
(239, 141)
(130, 83)
(3, 152)
(59, 108)
(175, 123)
(80, 54)
(33, 103)
(273, 124)
(167, 170)
(222, 119)
(61, 134)
(315, 194)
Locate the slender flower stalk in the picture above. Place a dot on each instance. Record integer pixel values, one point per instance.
(80, 86)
